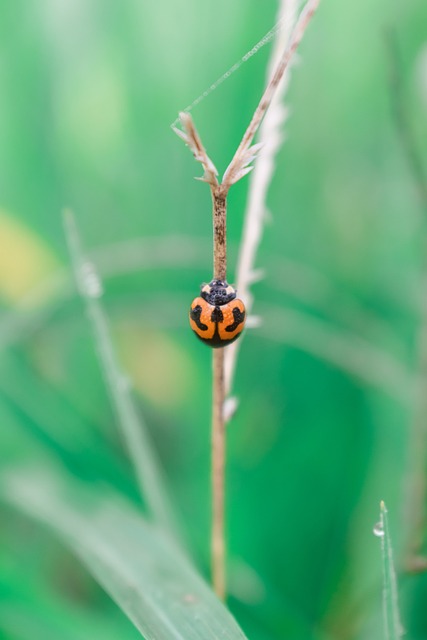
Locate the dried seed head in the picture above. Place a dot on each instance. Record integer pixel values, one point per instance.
(239, 166)
(193, 141)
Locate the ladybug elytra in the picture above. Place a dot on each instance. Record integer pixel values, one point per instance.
(217, 317)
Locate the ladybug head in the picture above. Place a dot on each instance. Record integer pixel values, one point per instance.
(218, 293)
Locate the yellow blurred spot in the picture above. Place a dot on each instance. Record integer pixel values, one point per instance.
(158, 366)
(25, 260)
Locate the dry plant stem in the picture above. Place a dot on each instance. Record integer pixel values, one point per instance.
(239, 167)
(232, 173)
(271, 137)
(219, 192)
(218, 475)
(219, 210)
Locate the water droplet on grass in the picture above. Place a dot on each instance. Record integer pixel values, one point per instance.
(378, 530)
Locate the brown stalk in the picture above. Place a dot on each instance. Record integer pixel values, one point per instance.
(219, 208)
(239, 167)
(218, 475)
(219, 211)
(234, 169)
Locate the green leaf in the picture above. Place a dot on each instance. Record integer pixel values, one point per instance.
(392, 626)
(135, 434)
(136, 562)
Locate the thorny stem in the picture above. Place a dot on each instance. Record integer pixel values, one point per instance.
(218, 469)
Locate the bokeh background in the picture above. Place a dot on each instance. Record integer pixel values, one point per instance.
(328, 408)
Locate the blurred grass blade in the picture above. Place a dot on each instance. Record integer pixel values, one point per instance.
(392, 625)
(344, 349)
(33, 611)
(136, 562)
(149, 475)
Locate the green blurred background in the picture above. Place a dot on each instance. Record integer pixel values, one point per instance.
(88, 89)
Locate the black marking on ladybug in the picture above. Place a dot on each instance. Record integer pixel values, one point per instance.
(217, 315)
(239, 317)
(217, 295)
(215, 342)
(195, 316)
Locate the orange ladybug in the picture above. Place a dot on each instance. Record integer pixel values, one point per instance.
(217, 317)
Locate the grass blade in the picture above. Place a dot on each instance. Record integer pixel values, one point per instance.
(392, 626)
(141, 453)
(136, 562)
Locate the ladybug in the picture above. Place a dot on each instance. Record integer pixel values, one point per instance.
(217, 317)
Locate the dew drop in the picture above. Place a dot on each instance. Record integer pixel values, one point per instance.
(378, 530)
(91, 282)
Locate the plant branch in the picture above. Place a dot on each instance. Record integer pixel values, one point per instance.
(192, 139)
(218, 475)
(271, 137)
(239, 167)
(219, 210)
(245, 153)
